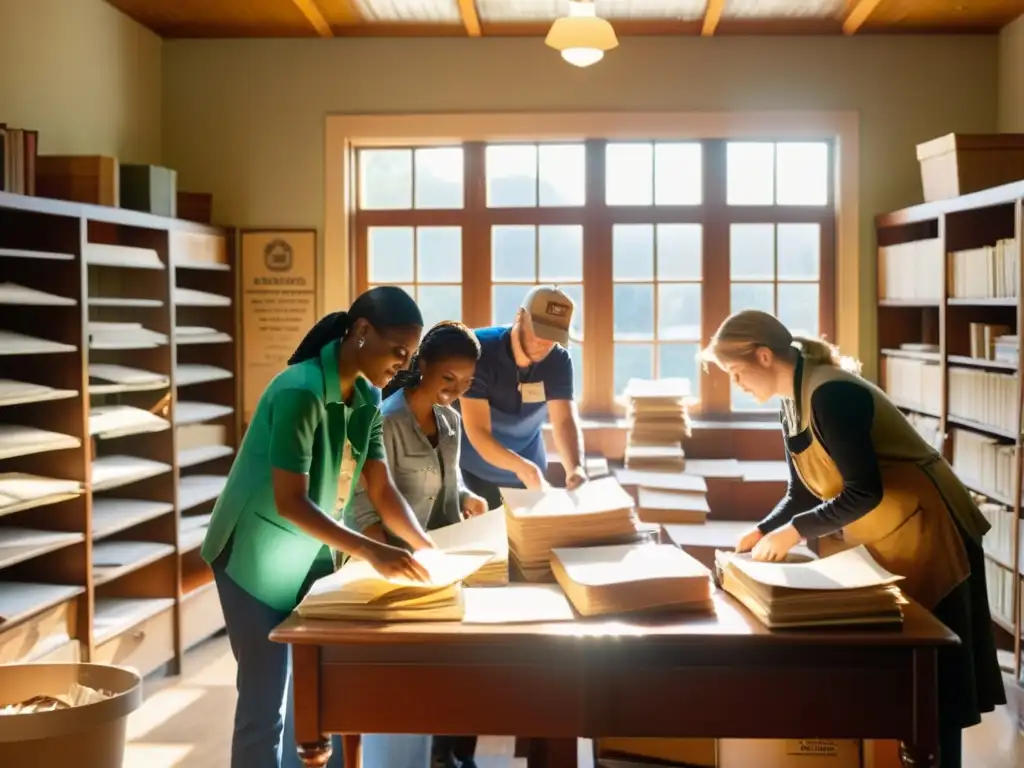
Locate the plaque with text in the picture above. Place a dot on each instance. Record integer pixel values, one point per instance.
(278, 304)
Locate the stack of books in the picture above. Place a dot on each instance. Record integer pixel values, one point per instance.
(484, 533)
(598, 512)
(657, 421)
(631, 578)
(845, 589)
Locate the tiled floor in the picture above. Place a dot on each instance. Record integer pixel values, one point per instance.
(185, 722)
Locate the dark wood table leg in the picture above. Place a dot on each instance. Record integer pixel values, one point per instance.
(914, 756)
(315, 754)
(552, 753)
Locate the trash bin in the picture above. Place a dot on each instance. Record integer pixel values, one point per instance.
(86, 736)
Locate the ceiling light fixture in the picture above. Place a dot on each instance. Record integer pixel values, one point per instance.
(581, 37)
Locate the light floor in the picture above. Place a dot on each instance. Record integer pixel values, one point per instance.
(186, 721)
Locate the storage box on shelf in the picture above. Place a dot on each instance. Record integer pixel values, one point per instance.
(91, 430)
(950, 358)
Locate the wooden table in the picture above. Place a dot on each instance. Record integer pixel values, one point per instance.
(722, 675)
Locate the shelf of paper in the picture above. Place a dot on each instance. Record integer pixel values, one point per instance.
(194, 490)
(190, 457)
(915, 384)
(110, 379)
(911, 271)
(192, 531)
(20, 295)
(626, 578)
(998, 542)
(116, 471)
(114, 615)
(189, 297)
(987, 398)
(999, 580)
(20, 600)
(113, 559)
(20, 392)
(357, 591)
(195, 334)
(104, 335)
(845, 589)
(20, 544)
(110, 421)
(21, 253)
(990, 271)
(186, 374)
(598, 512)
(20, 491)
(984, 463)
(122, 301)
(192, 412)
(123, 256)
(110, 516)
(12, 343)
(20, 440)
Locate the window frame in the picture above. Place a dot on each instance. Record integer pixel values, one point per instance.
(345, 249)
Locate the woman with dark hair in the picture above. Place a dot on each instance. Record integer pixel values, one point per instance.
(274, 527)
(422, 438)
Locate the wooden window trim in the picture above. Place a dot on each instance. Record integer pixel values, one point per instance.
(840, 318)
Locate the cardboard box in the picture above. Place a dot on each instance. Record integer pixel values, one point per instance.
(93, 179)
(789, 753)
(958, 164)
(700, 753)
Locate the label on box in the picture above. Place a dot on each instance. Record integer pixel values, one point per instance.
(812, 748)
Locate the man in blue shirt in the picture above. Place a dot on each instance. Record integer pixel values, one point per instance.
(524, 375)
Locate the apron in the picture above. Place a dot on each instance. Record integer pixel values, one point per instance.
(911, 532)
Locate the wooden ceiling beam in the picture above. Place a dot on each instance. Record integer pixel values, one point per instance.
(314, 16)
(470, 18)
(858, 14)
(712, 15)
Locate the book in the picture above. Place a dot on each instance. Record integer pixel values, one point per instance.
(845, 589)
(356, 591)
(630, 578)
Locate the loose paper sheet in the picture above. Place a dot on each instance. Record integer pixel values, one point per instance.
(516, 604)
(483, 533)
(603, 495)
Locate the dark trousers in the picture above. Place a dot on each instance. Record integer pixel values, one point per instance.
(485, 488)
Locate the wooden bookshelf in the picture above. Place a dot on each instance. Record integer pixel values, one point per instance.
(118, 329)
(949, 325)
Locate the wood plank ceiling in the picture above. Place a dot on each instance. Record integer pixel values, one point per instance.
(342, 18)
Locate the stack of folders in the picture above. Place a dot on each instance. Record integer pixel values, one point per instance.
(628, 578)
(358, 592)
(658, 422)
(598, 512)
(845, 589)
(484, 533)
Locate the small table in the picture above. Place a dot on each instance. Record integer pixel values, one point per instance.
(684, 676)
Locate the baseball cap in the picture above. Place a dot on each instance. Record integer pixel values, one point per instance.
(550, 309)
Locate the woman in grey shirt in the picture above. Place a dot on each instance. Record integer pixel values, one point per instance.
(422, 438)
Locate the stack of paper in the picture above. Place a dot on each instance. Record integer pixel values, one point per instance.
(123, 336)
(189, 297)
(483, 534)
(14, 392)
(20, 440)
(658, 421)
(12, 343)
(110, 421)
(598, 512)
(848, 588)
(358, 592)
(631, 578)
(197, 334)
(108, 378)
(19, 490)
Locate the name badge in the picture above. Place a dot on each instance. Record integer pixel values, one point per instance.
(533, 392)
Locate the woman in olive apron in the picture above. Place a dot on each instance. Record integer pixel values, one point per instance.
(860, 473)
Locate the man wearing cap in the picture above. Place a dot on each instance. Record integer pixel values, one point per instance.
(524, 376)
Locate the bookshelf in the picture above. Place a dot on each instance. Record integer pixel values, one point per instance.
(949, 324)
(118, 423)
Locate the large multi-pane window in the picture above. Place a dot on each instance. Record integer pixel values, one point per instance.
(656, 242)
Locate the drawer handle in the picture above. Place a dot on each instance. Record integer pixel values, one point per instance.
(139, 635)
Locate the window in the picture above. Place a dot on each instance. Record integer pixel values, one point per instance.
(656, 242)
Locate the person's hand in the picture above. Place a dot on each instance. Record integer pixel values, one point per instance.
(473, 505)
(531, 477)
(576, 478)
(392, 562)
(748, 540)
(776, 545)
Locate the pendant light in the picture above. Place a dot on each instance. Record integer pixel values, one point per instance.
(581, 37)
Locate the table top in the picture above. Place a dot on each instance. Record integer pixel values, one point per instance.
(729, 623)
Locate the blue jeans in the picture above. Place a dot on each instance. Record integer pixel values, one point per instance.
(264, 734)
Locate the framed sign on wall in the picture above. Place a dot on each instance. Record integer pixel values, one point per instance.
(279, 289)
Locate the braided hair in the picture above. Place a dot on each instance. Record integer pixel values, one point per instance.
(384, 307)
(445, 340)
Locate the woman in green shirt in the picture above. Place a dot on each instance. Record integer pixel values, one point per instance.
(276, 523)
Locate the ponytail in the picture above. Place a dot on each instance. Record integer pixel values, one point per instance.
(407, 378)
(331, 327)
(820, 352)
